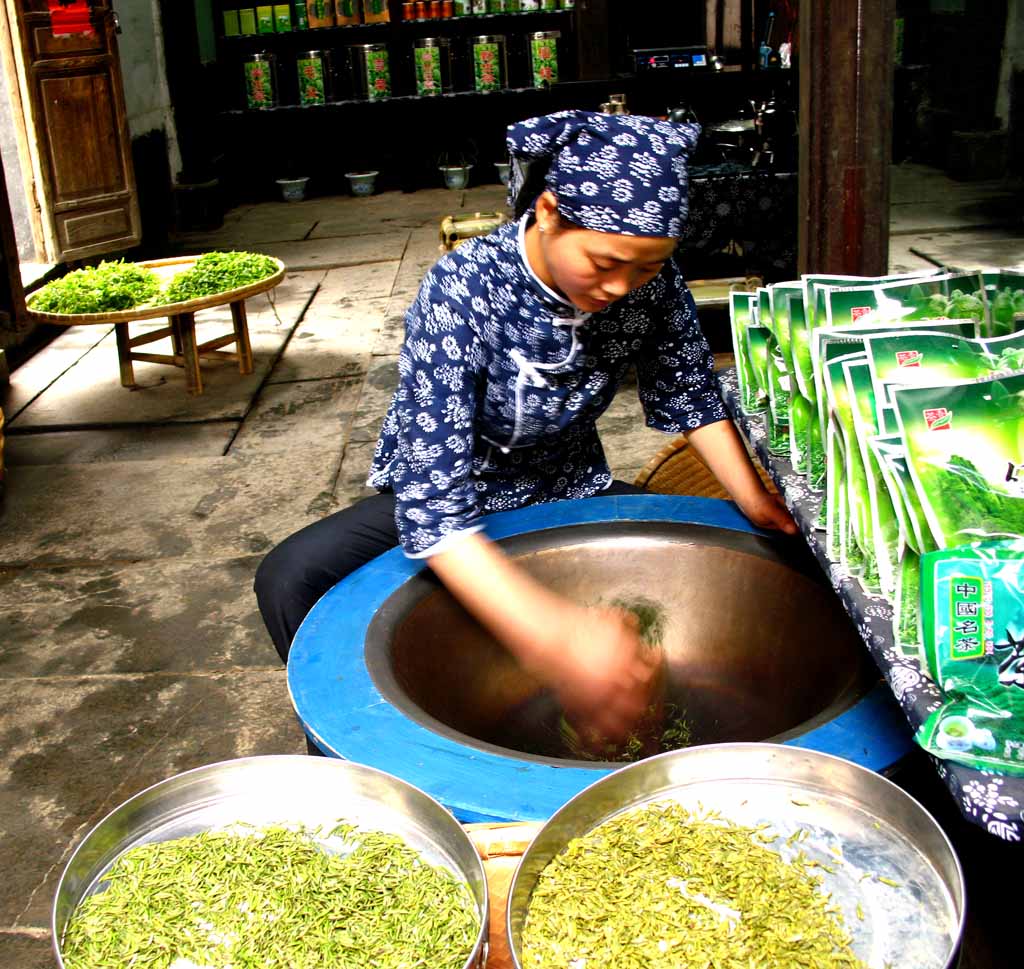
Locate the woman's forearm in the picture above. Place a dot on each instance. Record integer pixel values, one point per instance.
(526, 617)
(722, 450)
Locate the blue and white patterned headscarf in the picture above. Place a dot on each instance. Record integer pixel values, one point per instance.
(613, 173)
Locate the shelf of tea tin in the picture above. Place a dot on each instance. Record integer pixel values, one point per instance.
(401, 98)
(454, 24)
(993, 802)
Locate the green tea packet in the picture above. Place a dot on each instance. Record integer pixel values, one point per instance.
(804, 430)
(856, 549)
(950, 296)
(892, 455)
(854, 338)
(922, 359)
(785, 299)
(777, 415)
(757, 349)
(965, 447)
(835, 505)
(740, 307)
(1005, 292)
(883, 531)
(972, 606)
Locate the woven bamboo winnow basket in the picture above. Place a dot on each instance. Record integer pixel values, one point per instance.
(677, 469)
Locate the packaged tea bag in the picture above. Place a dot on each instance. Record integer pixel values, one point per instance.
(802, 326)
(784, 300)
(883, 524)
(925, 357)
(1005, 293)
(855, 543)
(740, 307)
(859, 332)
(806, 449)
(951, 296)
(757, 350)
(972, 607)
(777, 416)
(965, 450)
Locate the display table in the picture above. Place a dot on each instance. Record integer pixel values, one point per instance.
(994, 802)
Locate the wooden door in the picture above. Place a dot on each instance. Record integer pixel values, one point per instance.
(78, 119)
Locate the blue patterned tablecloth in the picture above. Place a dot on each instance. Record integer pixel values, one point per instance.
(992, 801)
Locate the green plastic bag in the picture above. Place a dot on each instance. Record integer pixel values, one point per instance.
(950, 296)
(856, 546)
(802, 325)
(740, 309)
(972, 606)
(1005, 292)
(777, 415)
(883, 529)
(786, 300)
(965, 448)
(828, 343)
(923, 359)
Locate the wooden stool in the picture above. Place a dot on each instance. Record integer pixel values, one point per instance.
(187, 353)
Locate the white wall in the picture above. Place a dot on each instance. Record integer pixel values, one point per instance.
(147, 97)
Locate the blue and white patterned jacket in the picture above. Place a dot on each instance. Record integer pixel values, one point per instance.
(501, 382)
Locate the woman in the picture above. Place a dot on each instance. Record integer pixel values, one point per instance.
(514, 346)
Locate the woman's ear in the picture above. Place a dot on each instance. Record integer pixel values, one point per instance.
(547, 211)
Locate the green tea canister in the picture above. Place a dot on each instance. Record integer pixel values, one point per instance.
(549, 4)
(544, 57)
(432, 59)
(260, 81)
(490, 62)
(528, 6)
(371, 71)
(312, 71)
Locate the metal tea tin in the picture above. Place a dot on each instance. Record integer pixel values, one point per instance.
(313, 73)
(371, 71)
(490, 62)
(544, 57)
(432, 60)
(260, 81)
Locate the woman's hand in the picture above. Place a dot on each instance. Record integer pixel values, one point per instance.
(602, 673)
(720, 447)
(592, 658)
(769, 511)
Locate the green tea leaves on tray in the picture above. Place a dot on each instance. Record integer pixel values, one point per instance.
(973, 616)
(218, 272)
(106, 288)
(274, 898)
(660, 888)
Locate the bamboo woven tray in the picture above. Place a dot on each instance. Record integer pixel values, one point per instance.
(165, 269)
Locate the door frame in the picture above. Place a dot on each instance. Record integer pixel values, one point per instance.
(12, 73)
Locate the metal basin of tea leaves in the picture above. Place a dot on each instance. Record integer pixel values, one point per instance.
(388, 669)
(756, 646)
(264, 791)
(889, 855)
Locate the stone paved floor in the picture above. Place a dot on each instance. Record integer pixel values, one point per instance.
(134, 520)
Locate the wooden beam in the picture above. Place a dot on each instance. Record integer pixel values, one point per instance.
(845, 136)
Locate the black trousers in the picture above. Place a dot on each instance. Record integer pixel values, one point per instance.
(305, 565)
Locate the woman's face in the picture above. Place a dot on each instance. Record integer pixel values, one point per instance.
(594, 269)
